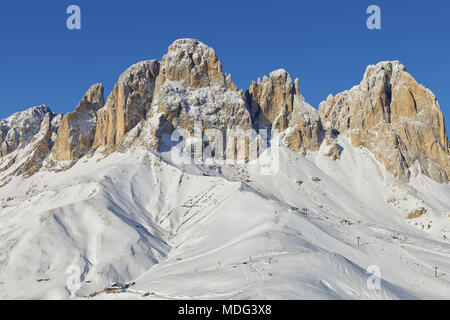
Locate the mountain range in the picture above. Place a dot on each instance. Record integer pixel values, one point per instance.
(361, 181)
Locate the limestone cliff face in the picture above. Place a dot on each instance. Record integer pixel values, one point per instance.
(276, 102)
(305, 132)
(126, 106)
(77, 130)
(271, 100)
(396, 118)
(191, 88)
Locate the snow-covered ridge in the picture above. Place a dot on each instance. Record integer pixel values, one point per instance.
(19, 129)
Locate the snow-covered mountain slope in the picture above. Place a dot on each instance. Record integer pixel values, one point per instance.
(230, 233)
(96, 198)
(19, 129)
(26, 140)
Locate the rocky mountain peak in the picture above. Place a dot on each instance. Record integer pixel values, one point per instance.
(193, 62)
(127, 105)
(387, 69)
(77, 130)
(271, 100)
(18, 130)
(275, 102)
(190, 89)
(93, 99)
(26, 140)
(396, 118)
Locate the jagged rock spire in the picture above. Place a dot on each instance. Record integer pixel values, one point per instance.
(77, 129)
(276, 102)
(127, 105)
(272, 99)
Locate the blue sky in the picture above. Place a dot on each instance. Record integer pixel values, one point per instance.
(323, 42)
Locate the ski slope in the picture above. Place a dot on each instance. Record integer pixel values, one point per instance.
(198, 232)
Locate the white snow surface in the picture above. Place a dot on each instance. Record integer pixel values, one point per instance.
(224, 233)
